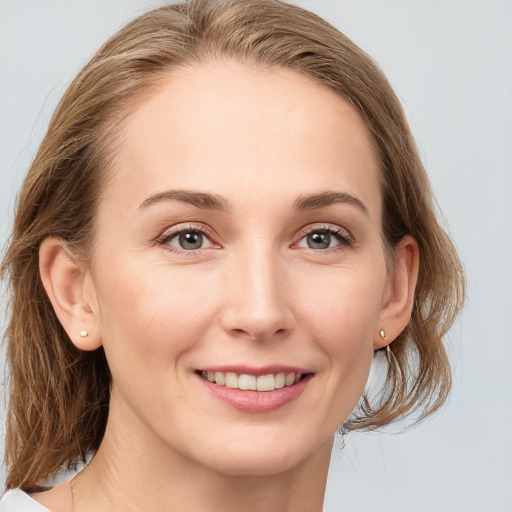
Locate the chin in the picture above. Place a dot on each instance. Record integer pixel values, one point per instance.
(265, 459)
(257, 466)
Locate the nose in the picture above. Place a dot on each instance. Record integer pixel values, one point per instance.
(257, 302)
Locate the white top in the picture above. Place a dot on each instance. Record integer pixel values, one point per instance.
(19, 501)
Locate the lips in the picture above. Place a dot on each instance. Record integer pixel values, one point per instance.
(255, 390)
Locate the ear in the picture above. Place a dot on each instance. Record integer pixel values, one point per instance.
(70, 288)
(399, 295)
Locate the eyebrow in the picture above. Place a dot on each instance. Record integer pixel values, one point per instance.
(201, 200)
(324, 199)
(208, 201)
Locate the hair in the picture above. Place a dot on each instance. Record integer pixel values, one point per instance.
(59, 395)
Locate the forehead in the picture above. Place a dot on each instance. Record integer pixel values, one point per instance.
(229, 128)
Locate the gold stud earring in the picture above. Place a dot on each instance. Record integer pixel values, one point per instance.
(84, 334)
(382, 334)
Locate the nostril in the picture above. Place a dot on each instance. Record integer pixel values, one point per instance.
(258, 334)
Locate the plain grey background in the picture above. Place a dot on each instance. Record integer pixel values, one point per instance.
(450, 62)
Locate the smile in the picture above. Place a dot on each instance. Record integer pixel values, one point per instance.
(246, 382)
(255, 390)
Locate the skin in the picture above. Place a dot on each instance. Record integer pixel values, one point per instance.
(255, 293)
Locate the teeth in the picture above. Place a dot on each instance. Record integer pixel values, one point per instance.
(280, 380)
(247, 382)
(266, 383)
(231, 380)
(251, 382)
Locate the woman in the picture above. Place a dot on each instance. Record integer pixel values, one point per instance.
(224, 222)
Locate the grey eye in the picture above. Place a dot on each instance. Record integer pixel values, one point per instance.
(188, 240)
(319, 240)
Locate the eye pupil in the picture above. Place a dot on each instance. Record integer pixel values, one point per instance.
(191, 240)
(319, 240)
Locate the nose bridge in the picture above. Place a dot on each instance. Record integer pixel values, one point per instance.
(258, 306)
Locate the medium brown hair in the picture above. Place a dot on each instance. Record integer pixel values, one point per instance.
(59, 396)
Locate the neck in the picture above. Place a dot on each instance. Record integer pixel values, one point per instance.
(153, 477)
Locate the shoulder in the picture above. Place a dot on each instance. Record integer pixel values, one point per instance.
(19, 501)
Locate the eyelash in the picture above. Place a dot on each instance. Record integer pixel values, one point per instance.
(175, 231)
(343, 236)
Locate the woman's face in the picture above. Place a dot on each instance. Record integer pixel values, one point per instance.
(239, 241)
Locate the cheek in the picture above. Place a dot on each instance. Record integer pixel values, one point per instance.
(344, 320)
(343, 305)
(149, 319)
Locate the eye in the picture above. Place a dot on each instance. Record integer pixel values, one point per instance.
(319, 240)
(188, 240)
(185, 240)
(325, 238)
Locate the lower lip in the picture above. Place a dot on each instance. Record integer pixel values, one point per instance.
(257, 401)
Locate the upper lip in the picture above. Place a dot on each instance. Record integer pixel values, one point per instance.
(253, 370)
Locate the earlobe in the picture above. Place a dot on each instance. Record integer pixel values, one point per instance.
(68, 284)
(399, 301)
